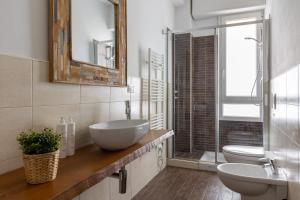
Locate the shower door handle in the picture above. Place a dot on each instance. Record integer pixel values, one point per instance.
(175, 92)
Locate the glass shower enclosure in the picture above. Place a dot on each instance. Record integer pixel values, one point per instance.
(217, 90)
(195, 95)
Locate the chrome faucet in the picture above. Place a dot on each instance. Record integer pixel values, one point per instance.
(128, 110)
(271, 163)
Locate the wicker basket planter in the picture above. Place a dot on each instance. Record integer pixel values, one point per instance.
(41, 168)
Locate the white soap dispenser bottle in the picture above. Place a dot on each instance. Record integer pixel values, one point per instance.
(61, 128)
(71, 137)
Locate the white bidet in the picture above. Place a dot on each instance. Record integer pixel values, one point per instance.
(253, 182)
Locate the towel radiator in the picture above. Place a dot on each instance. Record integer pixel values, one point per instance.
(154, 90)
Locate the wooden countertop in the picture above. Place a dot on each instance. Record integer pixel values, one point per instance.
(79, 172)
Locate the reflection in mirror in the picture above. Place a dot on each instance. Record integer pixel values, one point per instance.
(93, 32)
(104, 53)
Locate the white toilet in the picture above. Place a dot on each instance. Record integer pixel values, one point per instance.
(243, 154)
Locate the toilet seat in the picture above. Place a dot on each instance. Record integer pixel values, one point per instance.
(248, 151)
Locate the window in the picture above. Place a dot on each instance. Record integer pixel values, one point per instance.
(241, 110)
(241, 69)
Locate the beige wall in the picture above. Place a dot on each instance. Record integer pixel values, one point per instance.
(28, 100)
(285, 69)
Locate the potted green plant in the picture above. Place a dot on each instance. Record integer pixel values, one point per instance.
(40, 154)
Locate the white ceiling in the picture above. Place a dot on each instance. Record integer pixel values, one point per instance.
(210, 8)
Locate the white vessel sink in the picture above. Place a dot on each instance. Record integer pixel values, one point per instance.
(120, 134)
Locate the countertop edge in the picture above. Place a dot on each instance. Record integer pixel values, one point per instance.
(110, 169)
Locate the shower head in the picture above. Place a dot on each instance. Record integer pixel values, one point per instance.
(257, 41)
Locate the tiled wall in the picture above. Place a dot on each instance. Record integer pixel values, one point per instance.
(204, 112)
(284, 127)
(28, 100)
(240, 133)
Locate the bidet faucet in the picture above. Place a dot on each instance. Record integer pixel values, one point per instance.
(274, 166)
(272, 163)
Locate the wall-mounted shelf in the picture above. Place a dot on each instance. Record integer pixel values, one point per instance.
(77, 173)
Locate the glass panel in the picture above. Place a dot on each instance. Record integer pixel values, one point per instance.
(241, 60)
(241, 110)
(194, 96)
(182, 94)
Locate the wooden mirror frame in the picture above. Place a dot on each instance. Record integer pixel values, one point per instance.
(63, 69)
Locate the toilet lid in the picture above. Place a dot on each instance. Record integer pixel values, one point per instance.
(245, 150)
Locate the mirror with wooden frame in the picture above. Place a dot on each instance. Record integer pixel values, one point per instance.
(88, 42)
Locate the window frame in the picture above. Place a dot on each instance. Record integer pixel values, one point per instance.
(222, 71)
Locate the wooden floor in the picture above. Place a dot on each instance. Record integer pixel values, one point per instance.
(184, 184)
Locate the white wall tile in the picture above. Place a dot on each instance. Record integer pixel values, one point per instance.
(284, 55)
(292, 169)
(292, 161)
(143, 171)
(282, 147)
(46, 93)
(136, 112)
(117, 111)
(119, 94)
(135, 82)
(145, 168)
(15, 82)
(11, 164)
(279, 114)
(90, 114)
(292, 120)
(100, 191)
(12, 122)
(283, 141)
(94, 94)
(49, 116)
(292, 86)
